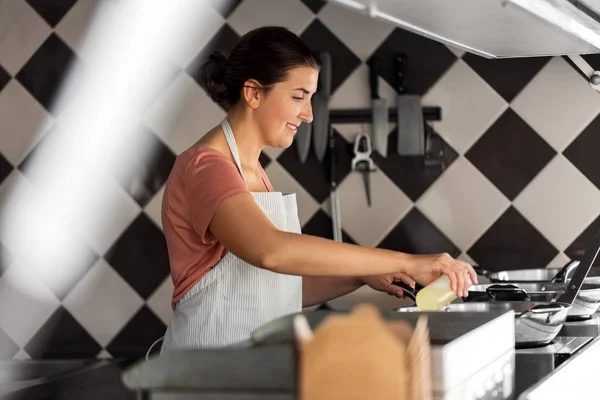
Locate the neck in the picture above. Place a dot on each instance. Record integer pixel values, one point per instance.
(247, 137)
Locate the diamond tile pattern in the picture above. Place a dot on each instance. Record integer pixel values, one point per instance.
(510, 154)
(140, 256)
(512, 243)
(52, 11)
(519, 187)
(4, 78)
(46, 69)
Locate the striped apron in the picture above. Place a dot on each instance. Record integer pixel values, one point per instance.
(234, 298)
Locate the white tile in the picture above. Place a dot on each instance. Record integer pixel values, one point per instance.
(463, 203)
(274, 152)
(559, 261)
(103, 354)
(560, 202)
(153, 208)
(251, 14)
(22, 31)
(24, 122)
(25, 304)
(369, 225)
(558, 103)
(465, 257)
(160, 301)
(355, 92)
(22, 355)
(110, 214)
(103, 292)
(283, 182)
(183, 114)
(74, 26)
(207, 22)
(16, 197)
(457, 52)
(469, 106)
(361, 33)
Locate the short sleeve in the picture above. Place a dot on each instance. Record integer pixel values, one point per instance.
(210, 178)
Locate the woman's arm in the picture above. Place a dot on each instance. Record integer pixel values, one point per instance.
(319, 289)
(241, 226)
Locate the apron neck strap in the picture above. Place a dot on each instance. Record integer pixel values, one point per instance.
(232, 146)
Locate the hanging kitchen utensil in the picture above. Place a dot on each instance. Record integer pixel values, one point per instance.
(320, 128)
(411, 129)
(336, 215)
(302, 139)
(381, 125)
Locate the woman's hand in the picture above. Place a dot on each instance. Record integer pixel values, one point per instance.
(384, 283)
(427, 268)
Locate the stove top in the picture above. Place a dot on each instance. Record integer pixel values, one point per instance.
(587, 328)
(535, 363)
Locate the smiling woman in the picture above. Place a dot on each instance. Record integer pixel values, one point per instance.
(237, 256)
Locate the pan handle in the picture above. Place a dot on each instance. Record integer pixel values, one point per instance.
(507, 293)
(481, 271)
(547, 308)
(408, 291)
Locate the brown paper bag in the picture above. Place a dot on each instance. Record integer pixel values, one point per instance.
(361, 356)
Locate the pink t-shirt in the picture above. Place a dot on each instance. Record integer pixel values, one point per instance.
(200, 180)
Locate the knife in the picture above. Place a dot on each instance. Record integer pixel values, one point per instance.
(303, 141)
(381, 123)
(320, 128)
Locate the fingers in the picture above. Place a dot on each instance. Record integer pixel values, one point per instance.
(407, 279)
(392, 289)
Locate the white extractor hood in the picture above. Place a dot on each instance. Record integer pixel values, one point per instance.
(496, 28)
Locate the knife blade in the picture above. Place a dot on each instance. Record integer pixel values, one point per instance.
(381, 124)
(303, 141)
(320, 128)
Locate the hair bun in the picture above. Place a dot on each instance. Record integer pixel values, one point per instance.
(212, 78)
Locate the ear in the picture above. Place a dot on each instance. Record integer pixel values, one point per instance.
(251, 93)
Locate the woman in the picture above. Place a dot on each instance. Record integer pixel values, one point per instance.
(237, 257)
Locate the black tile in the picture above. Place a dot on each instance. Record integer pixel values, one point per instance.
(314, 175)
(140, 256)
(52, 10)
(409, 173)
(264, 160)
(507, 76)
(4, 78)
(583, 152)
(415, 234)
(321, 225)
(314, 5)
(62, 337)
(8, 348)
(137, 336)
(224, 7)
(512, 243)
(224, 40)
(6, 258)
(5, 168)
(425, 60)
(144, 167)
(43, 74)
(343, 61)
(510, 154)
(577, 248)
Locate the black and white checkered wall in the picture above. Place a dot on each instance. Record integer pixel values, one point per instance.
(520, 188)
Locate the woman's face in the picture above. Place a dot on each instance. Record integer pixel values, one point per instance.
(286, 106)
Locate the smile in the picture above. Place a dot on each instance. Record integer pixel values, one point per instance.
(292, 127)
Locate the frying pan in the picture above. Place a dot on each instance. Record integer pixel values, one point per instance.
(536, 322)
(540, 274)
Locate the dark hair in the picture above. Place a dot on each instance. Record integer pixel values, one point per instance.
(265, 54)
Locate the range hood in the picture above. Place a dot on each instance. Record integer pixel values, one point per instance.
(496, 28)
